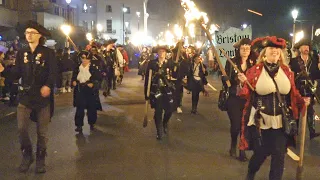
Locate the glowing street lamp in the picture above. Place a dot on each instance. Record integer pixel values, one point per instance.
(294, 14)
(99, 27)
(244, 25)
(68, 10)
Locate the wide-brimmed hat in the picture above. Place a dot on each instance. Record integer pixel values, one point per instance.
(269, 41)
(243, 41)
(34, 25)
(302, 42)
(157, 48)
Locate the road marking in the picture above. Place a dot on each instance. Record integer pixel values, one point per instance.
(293, 155)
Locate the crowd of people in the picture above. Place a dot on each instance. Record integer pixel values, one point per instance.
(263, 91)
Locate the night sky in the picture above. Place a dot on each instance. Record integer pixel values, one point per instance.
(276, 19)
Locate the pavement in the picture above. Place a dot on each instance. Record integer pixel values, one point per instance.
(121, 149)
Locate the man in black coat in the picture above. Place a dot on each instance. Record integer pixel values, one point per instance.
(306, 70)
(37, 67)
(161, 91)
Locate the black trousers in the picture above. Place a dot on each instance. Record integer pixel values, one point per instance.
(85, 100)
(161, 111)
(178, 93)
(235, 108)
(274, 144)
(91, 113)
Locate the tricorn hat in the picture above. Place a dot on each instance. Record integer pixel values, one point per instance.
(34, 25)
(242, 41)
(157, 48)
(302, 42)
(269, 41)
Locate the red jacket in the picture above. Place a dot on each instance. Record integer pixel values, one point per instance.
(297, 102)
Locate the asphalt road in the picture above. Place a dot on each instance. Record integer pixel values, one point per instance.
(121, 149)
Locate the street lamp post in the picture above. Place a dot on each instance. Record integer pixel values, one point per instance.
(124, 10)
(68, 10)
(294, 14)
(138, 14)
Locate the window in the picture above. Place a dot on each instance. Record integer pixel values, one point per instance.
(85, 8)
(56, 11)
(85, 25)
(108, 8)
(126, 10)
(63, 12)
(2, 2)
(93, 25)
(109, 25)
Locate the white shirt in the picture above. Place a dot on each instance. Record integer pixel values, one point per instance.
(196, 71)
(120, 58)
(266, 86)
(84, 74)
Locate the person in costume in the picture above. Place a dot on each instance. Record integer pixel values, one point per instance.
(143, 62)
(197, 79)
(262, 121)
(305, 68)
(244, 59)
(85, 80)
(37, 67)
(161, 91)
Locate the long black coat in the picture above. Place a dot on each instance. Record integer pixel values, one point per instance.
(91, 97)
(193, 85)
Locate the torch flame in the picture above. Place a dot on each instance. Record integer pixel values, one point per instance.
(193, 13)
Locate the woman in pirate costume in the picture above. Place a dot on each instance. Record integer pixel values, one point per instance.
(262, 122)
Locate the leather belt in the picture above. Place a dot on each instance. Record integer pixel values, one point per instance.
(268, 104)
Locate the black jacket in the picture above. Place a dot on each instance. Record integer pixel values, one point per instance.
(36, 69)
(66, 64)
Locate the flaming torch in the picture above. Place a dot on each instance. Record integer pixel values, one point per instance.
(192, 13)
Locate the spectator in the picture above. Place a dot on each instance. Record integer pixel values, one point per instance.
(67, 66)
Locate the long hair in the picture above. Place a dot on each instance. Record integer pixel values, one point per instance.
(262, 58)
(252, 57)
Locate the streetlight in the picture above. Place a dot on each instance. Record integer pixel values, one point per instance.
(68, 10)
(294, 14)
(138, 14)
(66, 29)
(244, 25)
(99, 29)
(124, 10)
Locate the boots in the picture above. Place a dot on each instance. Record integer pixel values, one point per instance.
(242, 156)
(233, 150)
(165, 127)
(250, 176)
(40, 162)
(194, 109)
(27, 159)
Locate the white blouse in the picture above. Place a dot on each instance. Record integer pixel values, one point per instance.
(196, 72)
(84, 74)
(266, 86)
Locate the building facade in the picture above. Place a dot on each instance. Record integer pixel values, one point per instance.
(119, 19)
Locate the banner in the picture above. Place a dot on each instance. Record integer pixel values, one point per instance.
(226, 39)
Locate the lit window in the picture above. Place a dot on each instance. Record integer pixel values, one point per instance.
(109, 25)
(85, 8)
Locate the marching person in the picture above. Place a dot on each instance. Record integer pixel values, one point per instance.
(197, 79)
(85, 80)
(143, 62)
(262, 119)
(161, 91)
(37, 67)
(109, 70)
(67, 66)
(306, 72)
(244, 60)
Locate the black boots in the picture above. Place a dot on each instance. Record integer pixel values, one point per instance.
(79, 129)
(27, 159)
(242, 156)
(194, 109)
(40, 162)
(250, 176)
(233, 150)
